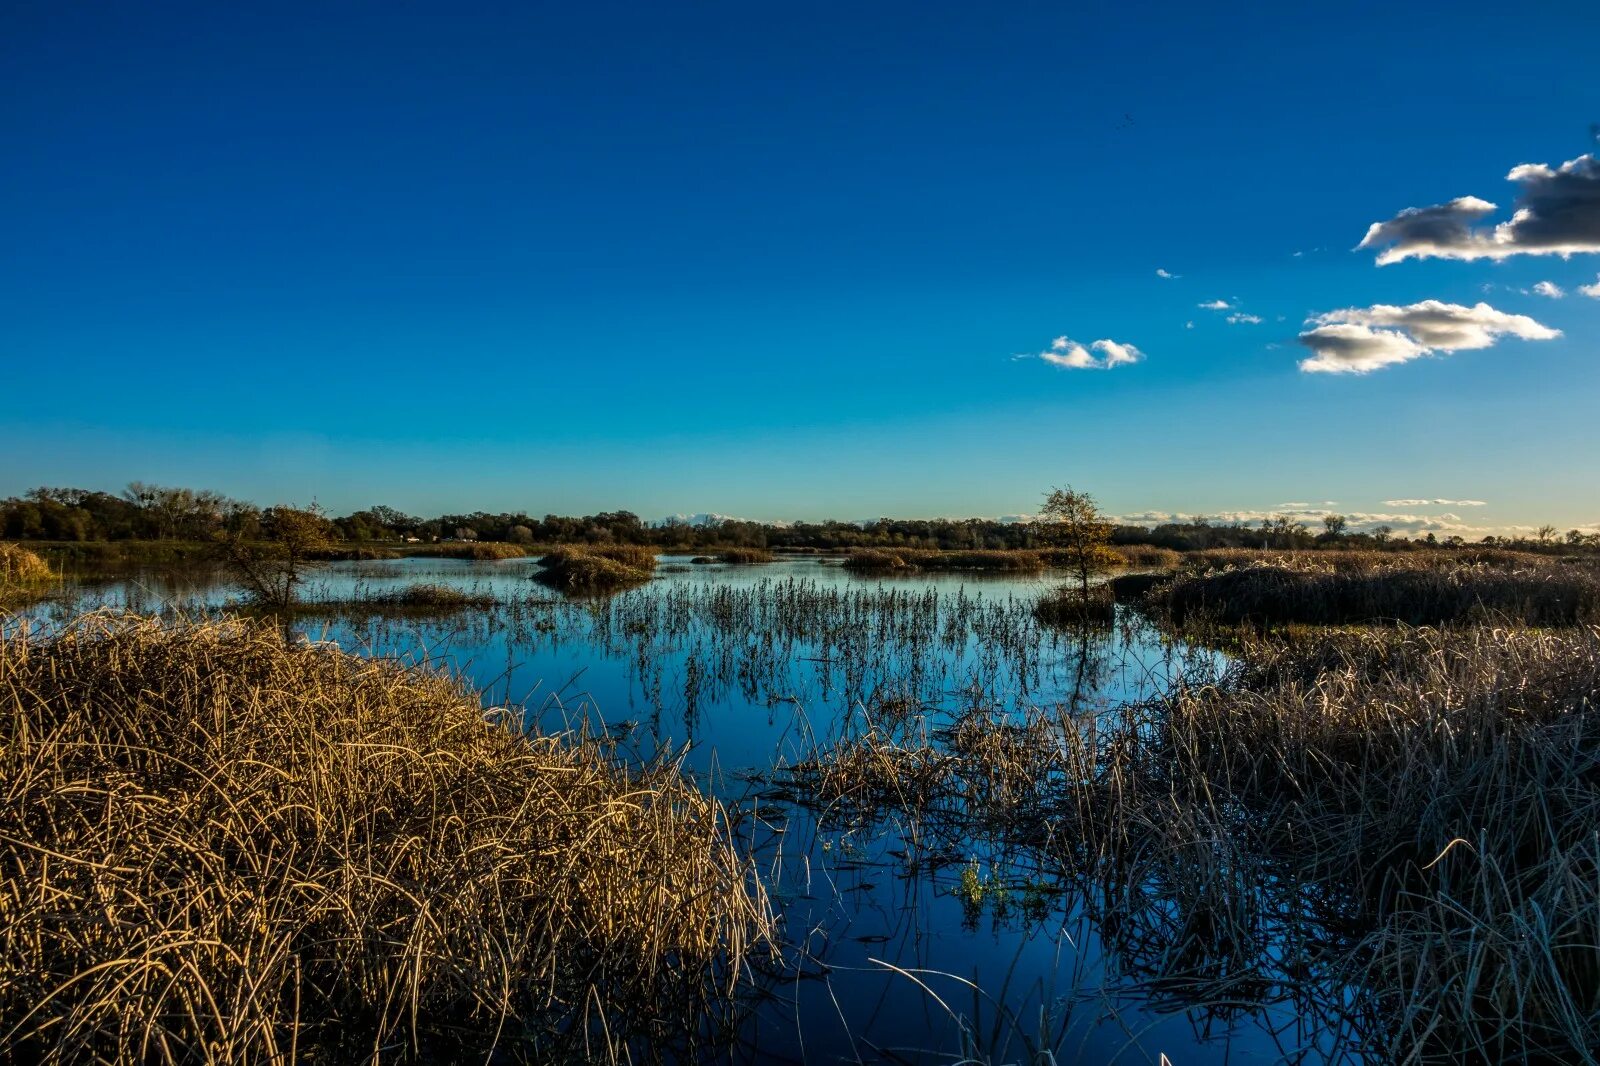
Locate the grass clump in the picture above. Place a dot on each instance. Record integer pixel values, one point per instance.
(421, 598)
(219, 847)
(600, 569)
(20, 567)
(745, 555)
(1070, 605)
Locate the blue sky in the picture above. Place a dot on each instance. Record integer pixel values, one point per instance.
(780, 261)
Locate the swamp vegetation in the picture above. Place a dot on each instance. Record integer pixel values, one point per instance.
(809, 811)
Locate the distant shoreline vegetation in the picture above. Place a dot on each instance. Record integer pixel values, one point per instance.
(156, 524)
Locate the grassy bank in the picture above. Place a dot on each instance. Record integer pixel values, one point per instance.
(217, 847)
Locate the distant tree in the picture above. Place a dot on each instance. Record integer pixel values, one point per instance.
(270, 556)
(1333, 526)
(1071, 522)
(520, 535)
(1381, 534)
(1546, 534)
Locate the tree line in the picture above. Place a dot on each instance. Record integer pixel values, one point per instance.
(153, 512)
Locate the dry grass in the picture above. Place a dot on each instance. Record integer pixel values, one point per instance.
(20, 567)
(1343, 591)
(888, 560)
(1365, 561)
(219, 848)
(587, 570)
(745, 555)
(480, 550)
(1148, 556)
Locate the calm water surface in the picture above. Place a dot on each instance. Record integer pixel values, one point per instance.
(743, 670)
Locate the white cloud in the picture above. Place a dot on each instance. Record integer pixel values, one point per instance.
(1591, 290)
(1070, 355)
(1435, 503)
(1169, 275)
(1243, 319)
(1550, 289)
(1190, 324)
(1359, 340)
(1215, 305)
(1557, 213)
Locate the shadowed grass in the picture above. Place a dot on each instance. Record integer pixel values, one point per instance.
(219, 848)
(1340, 594)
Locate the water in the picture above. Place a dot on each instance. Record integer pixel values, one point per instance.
(908, 939)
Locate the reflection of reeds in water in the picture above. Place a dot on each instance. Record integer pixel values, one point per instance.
(1393, 835)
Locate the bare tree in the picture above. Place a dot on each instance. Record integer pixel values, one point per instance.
(1071, 522)
(269, 556)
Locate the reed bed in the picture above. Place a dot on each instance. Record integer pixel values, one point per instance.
(217, 847)
(1338, 593)
(1392, 831)
(481, 550)
(888, 560)
(603, 569)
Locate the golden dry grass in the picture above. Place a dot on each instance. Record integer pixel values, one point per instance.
(21, 567)
(216, 847)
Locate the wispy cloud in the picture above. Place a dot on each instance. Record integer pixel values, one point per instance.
(1557, 212)
(1215, 305)
(1435, 503)
(1550, 289)
(1242, 319)
(1360, 340)
(1169, 275)
(1592, 291)
(1068, 354)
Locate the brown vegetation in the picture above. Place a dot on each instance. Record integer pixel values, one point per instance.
(1346, 588)
(20, 568)
(598, 569)
(220, 848)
